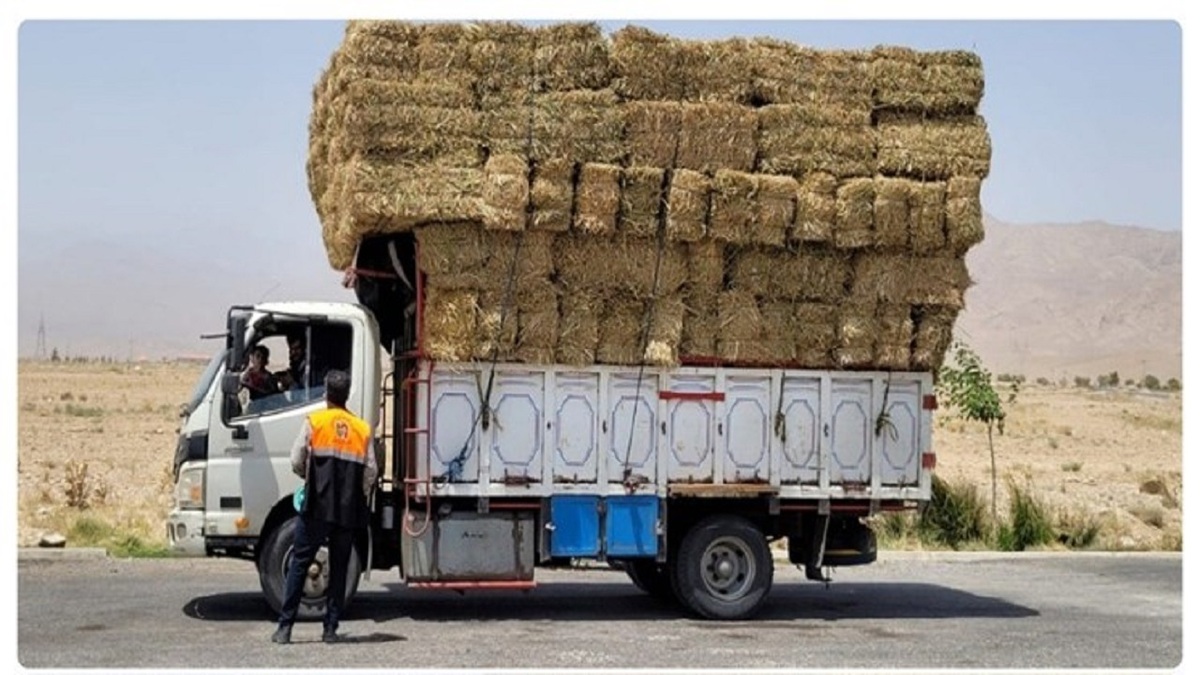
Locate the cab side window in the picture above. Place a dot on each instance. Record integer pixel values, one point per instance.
(286, 364)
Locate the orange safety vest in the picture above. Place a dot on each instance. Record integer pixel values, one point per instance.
(338, 454)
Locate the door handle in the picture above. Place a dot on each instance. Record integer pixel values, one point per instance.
(238, 449)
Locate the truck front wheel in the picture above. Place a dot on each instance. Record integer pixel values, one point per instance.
(723, 568)
(272, 573)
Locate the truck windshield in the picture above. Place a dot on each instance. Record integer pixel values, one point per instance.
(205, 381)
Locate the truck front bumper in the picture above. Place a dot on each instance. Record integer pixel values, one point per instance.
(185, 532)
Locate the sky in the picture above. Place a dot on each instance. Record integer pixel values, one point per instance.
(161, 164)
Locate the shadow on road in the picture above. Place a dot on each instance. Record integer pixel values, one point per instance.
(564, 601)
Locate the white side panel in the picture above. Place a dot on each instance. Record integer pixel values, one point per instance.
(454, 431)
(632, 423)
(575, 427)
(851, 424)
(691, 431)
(515, 428)
(748, 417)
(900, 459)
(801, 461)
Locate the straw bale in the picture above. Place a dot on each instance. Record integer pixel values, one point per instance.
(619, 263)
(506, 130)
(584, 126)
(893, 346)
(779, 274)
(641, 200)
(933, 149)
(403, 133)
(551, 195)
(579, 328)
(937, 83)
(443, 52)
(380, 198)
(778, 341)
(733, 206)
(363, 93)
(816, 208)
(927, 280)
(500, 55)
(646, 65)
(856, 330)
(795, 139)
(740, 328)
(450, 324)
(404, 32)
(717, 136)
(571, 55)
(537, 323)
(964, 214)
(394, 48)
(892, 216)
(718, 70)
(505, 192)
(854, 224)
(927, 206)
(461, 255)
(706, 263)
(788, 73)
(597, 198)
(775, 209)
(636, 331)
(933, 333)
(815, 328)
(652, 132)
(706, 278)
(687, 205)
(495, 327)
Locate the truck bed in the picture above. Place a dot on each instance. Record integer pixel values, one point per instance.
(694, 431)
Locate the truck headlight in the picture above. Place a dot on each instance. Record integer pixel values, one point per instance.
(189, 489)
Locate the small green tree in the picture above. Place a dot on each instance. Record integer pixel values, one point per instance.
(1151, 382)
(1174, 385)
(967, 388)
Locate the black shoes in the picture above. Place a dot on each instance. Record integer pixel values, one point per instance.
(282, 635)
(331, 637)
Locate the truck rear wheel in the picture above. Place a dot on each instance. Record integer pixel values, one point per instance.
(723, 568)
(272, 573)
(651, 577)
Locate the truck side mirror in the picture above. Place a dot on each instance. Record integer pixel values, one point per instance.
(236, 340)
(231, 383)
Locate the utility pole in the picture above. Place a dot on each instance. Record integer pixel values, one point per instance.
(41, 339)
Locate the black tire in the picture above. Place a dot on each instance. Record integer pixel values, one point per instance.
(272, 574)
(723, 568)
(652, 578)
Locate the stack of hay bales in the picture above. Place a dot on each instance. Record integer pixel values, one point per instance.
(579, 198)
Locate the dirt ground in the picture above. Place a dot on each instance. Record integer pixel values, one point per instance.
(1115, 456)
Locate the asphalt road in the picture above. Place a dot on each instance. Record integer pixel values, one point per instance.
(906, 611)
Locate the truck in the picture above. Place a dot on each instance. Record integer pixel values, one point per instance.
(683, 477)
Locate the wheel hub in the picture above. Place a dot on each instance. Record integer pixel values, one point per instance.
(728, 568)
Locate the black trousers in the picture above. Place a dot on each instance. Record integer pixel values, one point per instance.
(311, 534)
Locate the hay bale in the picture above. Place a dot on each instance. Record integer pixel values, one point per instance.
(775, 209)
(368, 121)
(500, 57)
(733, 206)
(687, 205)
(384, 44)
(815, 327)
(892, 216)
(777, 344)
(739, 328)
(597, 199)
(816, 208)
(552, 194)
(641, 200)
(717, 136)
(636, 331)
(933, 149)
(505, 192)
(652, 132)
(450, 324)
(706, 277)
(379, 197)
(857, 327)
(964, 214)
(495, 335)
(854, 224)
(463, 256)
(932, 335)
(780, 274)
(443, 52)
(583, 126)
(572, 55)
(579, 328)
(934, 83)
(788, 73)
(537, 323)
(646, 65)
(796, 139)
(893, 345)
(901, 279)
(927, 208)
(619, 263)
(706, 263)
(718, 70)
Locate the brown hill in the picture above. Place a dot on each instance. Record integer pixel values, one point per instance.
(1076, 300)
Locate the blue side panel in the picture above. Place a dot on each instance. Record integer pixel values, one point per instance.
(576, 521)
(630, 526)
